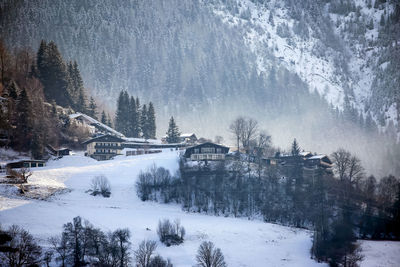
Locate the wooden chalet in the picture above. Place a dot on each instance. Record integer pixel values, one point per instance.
(206, 151)
(58, 152)
(322, 161)
(189, 138)
(104, 147)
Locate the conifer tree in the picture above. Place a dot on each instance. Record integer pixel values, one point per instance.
(173, 132)
(41, 57)
(295, 148)
(12, 91)
(77, 90)
(133, 118)
(4, 123)
(122, 113)
(151, 121)
(109, 122)
(92, 109)
(24, 123)
(144, 122)
(139, 115)
(53, 74)
(37, 144)
(103, 118)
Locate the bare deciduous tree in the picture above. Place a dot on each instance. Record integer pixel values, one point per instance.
(236, 128)
(249, 133)
(60, 246)
(144, 252)
(209, 256)
(341, 160)
(348, 167)
(121, 237)
(24, 174)
(26, 251)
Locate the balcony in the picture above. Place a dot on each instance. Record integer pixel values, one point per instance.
(108, 147)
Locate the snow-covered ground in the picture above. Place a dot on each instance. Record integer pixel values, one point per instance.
(243, 242)
(380, 253)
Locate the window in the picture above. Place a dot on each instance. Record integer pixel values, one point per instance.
(207, 150)
(33, 164)
(219, 150)
(196, 151)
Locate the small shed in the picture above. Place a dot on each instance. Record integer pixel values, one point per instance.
(59, 152)
(29, 163)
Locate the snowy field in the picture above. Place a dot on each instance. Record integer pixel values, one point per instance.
(243, 242)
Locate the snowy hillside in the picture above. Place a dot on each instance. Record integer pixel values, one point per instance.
(243, 242)
(338, 57)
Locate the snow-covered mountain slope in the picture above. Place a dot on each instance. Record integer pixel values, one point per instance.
(304, 69)
(191, 56)
(243, 242)
(334, 46)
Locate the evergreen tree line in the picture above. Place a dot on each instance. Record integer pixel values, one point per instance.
(339, 208)
(27, 121)
(134, 120)
(62, 82)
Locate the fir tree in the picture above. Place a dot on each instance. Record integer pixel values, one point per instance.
(37, 145)
(122, 113)
(144, 122)
(103, 118)
(151, 121)
(139, 115)
(133, 118)
(92, 109)
(4, 123)
(53, 74)
(295, 148)
(173, 132)
(77, 89)
(109, 122)
(24, 123)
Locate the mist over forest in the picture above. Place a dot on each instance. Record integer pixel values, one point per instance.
(325, 76)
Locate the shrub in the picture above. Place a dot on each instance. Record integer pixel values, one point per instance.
(153, 180)
(100, 186)
(158, 261)
(170, 234)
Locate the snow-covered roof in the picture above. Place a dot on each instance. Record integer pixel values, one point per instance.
(95, 122)
(305, 153)
(185, 135)
(317, 157)
(141, 140)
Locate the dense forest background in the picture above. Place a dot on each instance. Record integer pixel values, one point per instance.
(209, 61)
